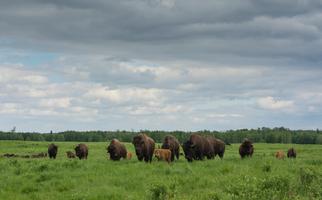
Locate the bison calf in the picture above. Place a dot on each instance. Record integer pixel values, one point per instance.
(163, 154)
(70, 154)
(39, 155)
(129, 155)
(280, 155)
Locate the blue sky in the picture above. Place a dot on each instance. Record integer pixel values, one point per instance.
(160, 64)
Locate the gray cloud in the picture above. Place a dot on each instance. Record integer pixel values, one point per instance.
(151, 29)
(160, 64)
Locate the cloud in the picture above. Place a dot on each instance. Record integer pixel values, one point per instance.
(273, 104)
(125, 94)
(155, 64)
(235, 31)
(55, 102)
(16, 73)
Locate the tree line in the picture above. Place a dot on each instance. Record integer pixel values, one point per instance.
(262, 135)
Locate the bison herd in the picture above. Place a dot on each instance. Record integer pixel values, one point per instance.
(197, 147)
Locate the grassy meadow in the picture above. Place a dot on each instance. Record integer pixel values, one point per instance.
(260, 177)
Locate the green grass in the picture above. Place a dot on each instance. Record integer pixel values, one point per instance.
(261, 177)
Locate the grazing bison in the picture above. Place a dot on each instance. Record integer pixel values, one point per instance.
(52, 151)
(129, 155)
(218, 146)
(171, 143)
(144, 147)
(70, 154)
(81, 151)
(9, 155)
(280, 155)
(163, 154)
(246, 148)
(197, 147)
(39, 155)
(291, 153)
(116, 150)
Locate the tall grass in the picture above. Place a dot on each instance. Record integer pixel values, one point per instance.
(260, 177)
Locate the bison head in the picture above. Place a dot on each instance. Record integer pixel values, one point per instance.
(110, 148)
(188, 151)
(165, 146)
(157, 153)
(78, 151)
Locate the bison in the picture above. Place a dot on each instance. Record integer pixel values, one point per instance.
(9, 155)
(197, 147)
(52, 151)
(70, 154)
(280, 155)
(163, 154)
(218, 146)
(81, 151)
(171, 143)
(39, 155)
(291, 153)
(144, 147)
(246, 148)
(116, 150)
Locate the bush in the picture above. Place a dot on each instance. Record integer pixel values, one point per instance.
(160, 191)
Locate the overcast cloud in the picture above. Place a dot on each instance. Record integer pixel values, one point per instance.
(160, 64)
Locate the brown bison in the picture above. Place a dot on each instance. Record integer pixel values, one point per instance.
(246, 148)
(291, 153)
(39, 155)
(9, 155)
(81, 151)
(70, 154)
(163, 154)
(218, 146)
(52, 151)
(197, 147)
(171, 143)
(280, 155)
(129, 155)
(144, 147)
(116, 150)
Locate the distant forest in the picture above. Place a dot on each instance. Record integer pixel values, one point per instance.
(263, 135)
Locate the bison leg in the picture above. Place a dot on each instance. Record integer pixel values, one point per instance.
(172, 156)
(177, 155)
(200, 156)
(147, 159)
(221, 155)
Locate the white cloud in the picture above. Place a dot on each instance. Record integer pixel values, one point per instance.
(16, 73)
(155, 110)
(55, 102)
(8, 108)
(224, 115)
(125, 94)
(272, 104)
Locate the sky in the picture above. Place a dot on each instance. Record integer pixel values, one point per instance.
(160, 64)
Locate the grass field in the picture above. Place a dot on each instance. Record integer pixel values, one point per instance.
(261, 177)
